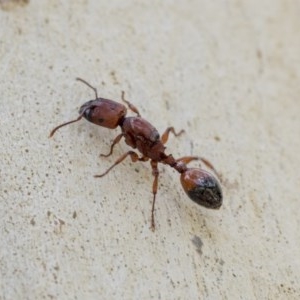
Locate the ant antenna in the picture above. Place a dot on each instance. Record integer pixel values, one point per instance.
(67, 123)
(83, 81)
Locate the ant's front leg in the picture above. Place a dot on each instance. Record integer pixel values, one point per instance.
(116, 141)
(130, 105)
(165, 136)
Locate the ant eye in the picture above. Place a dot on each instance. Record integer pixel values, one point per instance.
(202, 188)
(87, 114)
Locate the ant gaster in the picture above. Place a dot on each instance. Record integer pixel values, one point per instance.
(199, 185)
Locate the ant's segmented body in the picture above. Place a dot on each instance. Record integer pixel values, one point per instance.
(199, 185)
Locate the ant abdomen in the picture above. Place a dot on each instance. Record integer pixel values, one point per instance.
(202, 187)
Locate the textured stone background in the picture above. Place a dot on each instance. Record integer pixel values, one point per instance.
(227, 72)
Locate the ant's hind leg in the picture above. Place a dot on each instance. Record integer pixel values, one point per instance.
(155, 173)
(165, 136)
(208, 164)
(116, 141)
(134, 157)
(187, 159)
(130, 105)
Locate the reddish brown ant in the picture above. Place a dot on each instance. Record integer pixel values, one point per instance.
(199, 185)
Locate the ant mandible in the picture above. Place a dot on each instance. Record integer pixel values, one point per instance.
(200, 186)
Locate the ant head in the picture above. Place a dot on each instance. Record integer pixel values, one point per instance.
(202, 187)
(103, 112)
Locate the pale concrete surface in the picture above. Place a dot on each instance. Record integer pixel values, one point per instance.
(226, 71)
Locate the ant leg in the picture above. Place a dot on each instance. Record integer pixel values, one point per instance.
(208, 164)
(187, 159)
(116, 141)
(93, 88)
(155, 173)
(144, 158)
(165, 136)
(130, 105)
(134, 157)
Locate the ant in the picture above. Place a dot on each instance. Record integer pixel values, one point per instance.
(200, 186)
